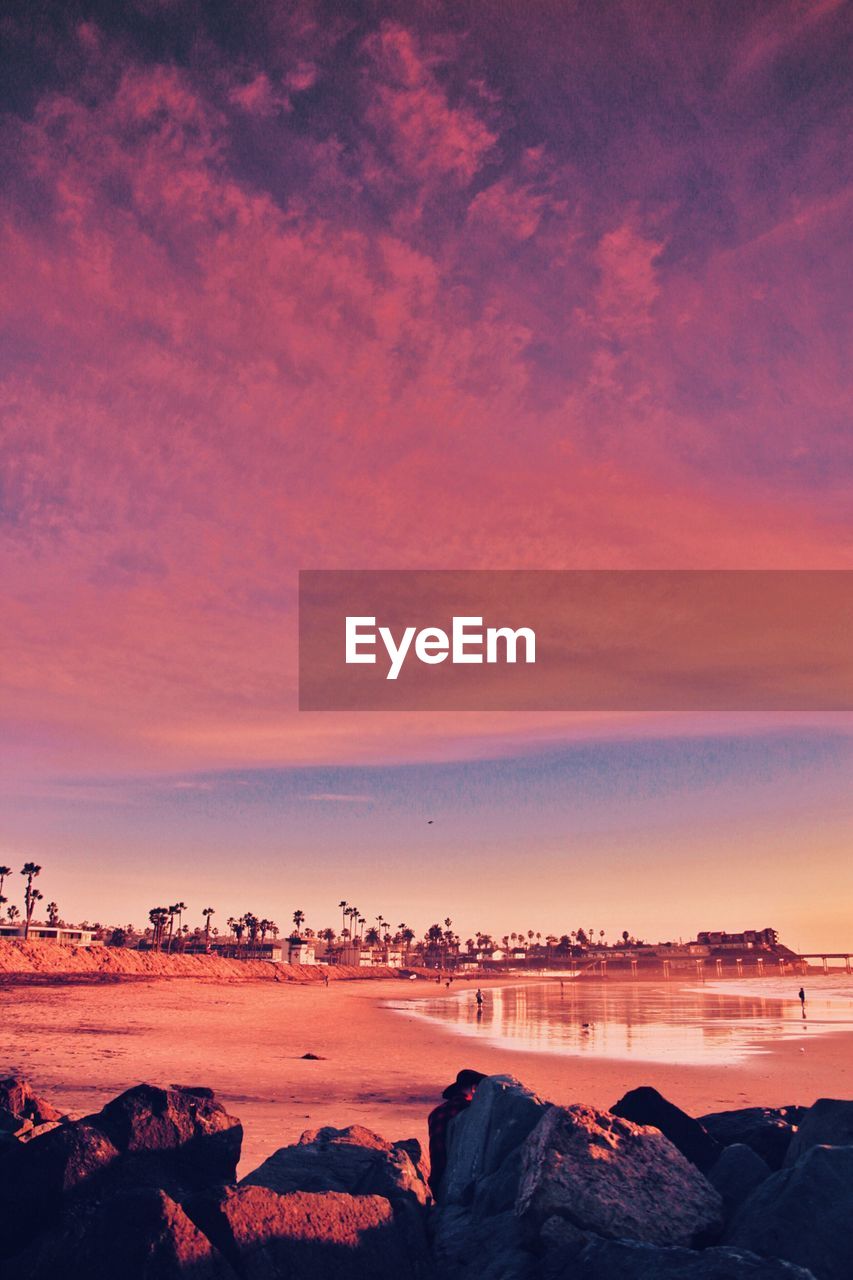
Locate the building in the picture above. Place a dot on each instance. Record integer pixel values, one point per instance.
(750, 938)
(50, 933)
(300, 951)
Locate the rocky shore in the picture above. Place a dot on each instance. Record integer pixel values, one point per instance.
(146, 1189)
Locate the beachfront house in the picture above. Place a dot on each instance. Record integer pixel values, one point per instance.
(50, 933)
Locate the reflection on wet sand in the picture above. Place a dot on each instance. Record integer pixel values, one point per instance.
(654, 1023)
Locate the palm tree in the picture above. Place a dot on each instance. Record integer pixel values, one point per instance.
(298, 917)
(177, 910)
(4, 872)
(13, 914)
(343, 904)
(207, 913)
(232, 925)
(158, 917)
(171, 912)
(30, 870)
(52, 914)
(372, 937)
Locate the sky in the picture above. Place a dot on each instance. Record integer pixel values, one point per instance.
(422, 285)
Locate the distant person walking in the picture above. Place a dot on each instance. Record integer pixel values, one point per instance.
(457, 1098)
(479, 998)
(801, 993)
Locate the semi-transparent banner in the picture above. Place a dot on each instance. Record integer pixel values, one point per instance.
(576, 640)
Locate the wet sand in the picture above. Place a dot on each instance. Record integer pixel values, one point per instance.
(378, 1067)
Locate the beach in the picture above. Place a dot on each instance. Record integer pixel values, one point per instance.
(377, 1066)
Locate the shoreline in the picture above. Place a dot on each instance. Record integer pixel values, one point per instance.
(375, 1065)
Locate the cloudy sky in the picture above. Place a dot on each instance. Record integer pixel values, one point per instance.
(468, 285)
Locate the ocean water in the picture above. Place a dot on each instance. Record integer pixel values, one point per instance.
(723, 1022)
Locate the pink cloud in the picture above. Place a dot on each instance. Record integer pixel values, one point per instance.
(510, 367)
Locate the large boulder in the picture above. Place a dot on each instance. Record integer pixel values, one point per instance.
(490, 1131)
(736, 1175)
(609, 1176)
(767, 1130)
(624, 1260)
(17, 1099)
(306, 1235)
(38, 1178)
(175, 1140)
(803, 1214)
(137, 1235)
(648, 1107)
(352, 1160)
(829, 1123)
(174, 1137)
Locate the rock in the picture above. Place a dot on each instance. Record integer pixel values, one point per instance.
(37, 1178)
(137, 1235)
(500, 1117)
(351, 1160)
(736, 1175)
(177, 1137)
(624, 1260)
(648, 1107)
(38, 1130)
(171, 1139)
(17, 1097)
(607, 1175)
(803, 1214)
(767, 1130)
(306, 1235)
(485, 1250)
(14, 1125)
(828, 1122)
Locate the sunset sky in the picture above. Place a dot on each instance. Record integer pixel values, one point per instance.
(421, 285)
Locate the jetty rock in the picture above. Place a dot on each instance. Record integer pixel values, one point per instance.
(18, 1099)
(305, 1235)
(607, 1175)
(627, 1260)
(174, 1140)
(137, 1235)
(769, 1131)
(353, 1160)
(802, 1214)
(736, 1175)
(829, 1122)
(646, 1106)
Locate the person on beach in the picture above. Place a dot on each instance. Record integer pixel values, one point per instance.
(479, 998)
(457, 1097)
(801, 993)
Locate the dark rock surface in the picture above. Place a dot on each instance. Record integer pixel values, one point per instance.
(803, 1214)
(767, 1130)
(829, 1122)
(736, 1175)
(134, 1235)
(648, 1107)
(609, 1176)
(176, 1137)
(38, 1178)
(623, 1260)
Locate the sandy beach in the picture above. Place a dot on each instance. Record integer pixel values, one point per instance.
(376, 1066)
